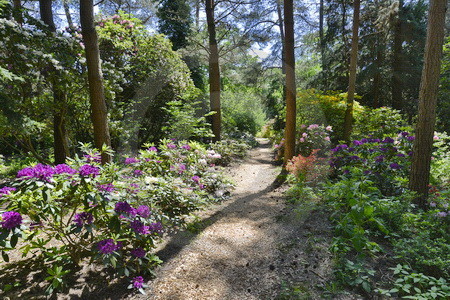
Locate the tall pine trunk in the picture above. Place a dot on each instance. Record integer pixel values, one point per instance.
(321, 37)
(423, 144)
(67, 13)
(397, 64)
(60, 138)
(214, 71)
(17, 11)
(348, 120)
(289, 132)
(99, 112)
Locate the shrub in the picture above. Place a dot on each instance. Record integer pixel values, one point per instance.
(112, 213)
(379, 123)
(316, 107)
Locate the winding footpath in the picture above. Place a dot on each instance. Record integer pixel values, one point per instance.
(247, 248)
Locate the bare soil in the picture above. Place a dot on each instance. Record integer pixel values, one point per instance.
(253, 246)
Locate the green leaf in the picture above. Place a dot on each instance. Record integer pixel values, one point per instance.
(5, 256)
(14, 240)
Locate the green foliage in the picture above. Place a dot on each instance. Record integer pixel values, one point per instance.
(371, 204)
(151, 75)
(443, 107)
(316, 107)
(440, 164)
(229, 150)
(242, 111)
(412, 285)
(184, 124)
(379, 123)
(356, 275)
(84, 206)
(175, 21)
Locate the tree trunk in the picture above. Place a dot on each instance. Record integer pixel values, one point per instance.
(397, 65)
(214, 71)
(197, 15)
(321, 38)
(99, 113)
(423, 144)
(348, 120)
(281, 25)
(60, 138)
(67, 13)
(17, 11)
(377, 76)
(289, 132)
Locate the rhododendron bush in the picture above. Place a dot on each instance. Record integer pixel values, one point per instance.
(115, 213)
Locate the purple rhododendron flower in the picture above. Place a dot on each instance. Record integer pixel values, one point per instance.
(108, 246)
(441, 214)
(95, 157)
(388, 140)
(6, 190)
(134, 188)
(124, 207)
(139, 227)
(64, 169)
(25, 172)
(357, 143)
(138, 282)
(400, 155)
(411, 138)
(395, 166)
(109, 187)
(186, 147)
(83, 218)
(11, 219)
(131, 160)
(138, 172)
(404, 133)
(379, 158)
(156, 227)
(43, 172)
(171, 146)
(196, 179)
(144, 211)
(87, 170)
(152, 148)
(138, 252)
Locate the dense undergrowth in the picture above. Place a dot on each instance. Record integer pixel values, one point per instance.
(383, 244)
(114, 214)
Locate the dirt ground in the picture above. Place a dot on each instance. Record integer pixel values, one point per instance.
(252, 246)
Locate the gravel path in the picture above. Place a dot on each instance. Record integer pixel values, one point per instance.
(247, 249)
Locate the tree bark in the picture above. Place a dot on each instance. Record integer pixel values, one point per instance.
(17, 12)
(423, 144)
(289, 132)
(60, 138)
(281, 26)
(214, 71)
(321, 38)
(348, 120)
(397, 65)
(377, 76)
(67, 13)
(99, 112)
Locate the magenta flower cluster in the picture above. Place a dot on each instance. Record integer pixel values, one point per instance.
(108, 246)
(83, 218)
(6, 190)
(88, 170)
(138, 282)
(131, 160)
(109, 187)
(11, 219)
(138, 252)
